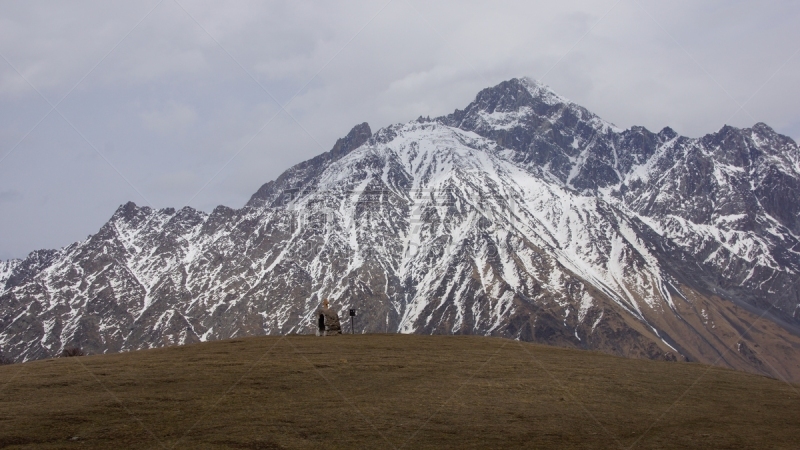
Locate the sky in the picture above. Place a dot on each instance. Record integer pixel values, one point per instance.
(178, 102)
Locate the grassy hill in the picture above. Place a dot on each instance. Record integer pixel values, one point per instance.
(388, 391)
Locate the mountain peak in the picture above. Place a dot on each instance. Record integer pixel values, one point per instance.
(357, 136)
(129, 211)
(524, 215)
(303, 173)
(542, 91)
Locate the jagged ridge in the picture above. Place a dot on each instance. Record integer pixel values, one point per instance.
(523, 215)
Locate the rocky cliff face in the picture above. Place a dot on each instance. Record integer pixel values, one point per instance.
(524, 216)
(728, 198)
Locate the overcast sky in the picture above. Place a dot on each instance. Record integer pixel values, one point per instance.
(200, 102)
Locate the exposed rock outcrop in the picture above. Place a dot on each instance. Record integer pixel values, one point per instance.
(523, 216)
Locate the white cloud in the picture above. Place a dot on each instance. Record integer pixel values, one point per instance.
(171, 101)
(170, 118)
(10, 195)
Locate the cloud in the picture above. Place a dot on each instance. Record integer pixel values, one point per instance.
(170, 118)
(10, 195)
(181, 96)
(181, 178)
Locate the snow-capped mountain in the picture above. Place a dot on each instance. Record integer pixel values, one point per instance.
(523, 216)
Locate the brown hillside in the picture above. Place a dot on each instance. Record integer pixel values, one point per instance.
(388, 391)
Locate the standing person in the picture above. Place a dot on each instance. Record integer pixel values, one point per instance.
(328, 324)
(321, 325)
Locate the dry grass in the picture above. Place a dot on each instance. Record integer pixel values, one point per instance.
(388, 391)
